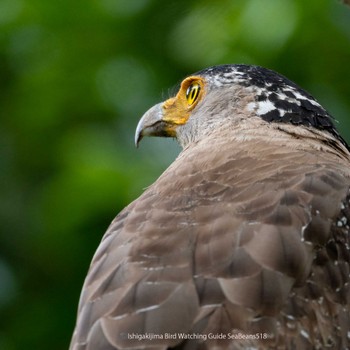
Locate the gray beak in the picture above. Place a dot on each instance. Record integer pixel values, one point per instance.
(151, 124)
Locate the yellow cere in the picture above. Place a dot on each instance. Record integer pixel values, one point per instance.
(176, 110)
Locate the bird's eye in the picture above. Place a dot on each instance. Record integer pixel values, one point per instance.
(192, 93)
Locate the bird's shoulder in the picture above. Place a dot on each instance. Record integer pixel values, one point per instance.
(224, 230)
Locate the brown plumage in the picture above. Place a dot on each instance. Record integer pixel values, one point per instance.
(243, 242)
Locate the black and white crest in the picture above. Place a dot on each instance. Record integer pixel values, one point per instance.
(277, 99)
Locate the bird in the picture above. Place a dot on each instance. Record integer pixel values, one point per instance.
(243, 242)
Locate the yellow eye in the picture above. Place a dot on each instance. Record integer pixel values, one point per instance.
(192, 93)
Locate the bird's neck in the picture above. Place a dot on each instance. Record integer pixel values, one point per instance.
(281, 135)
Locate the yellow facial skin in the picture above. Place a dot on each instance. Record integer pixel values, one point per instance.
(163, 118)
(177, 110)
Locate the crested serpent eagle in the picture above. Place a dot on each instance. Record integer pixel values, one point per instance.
(243, 242)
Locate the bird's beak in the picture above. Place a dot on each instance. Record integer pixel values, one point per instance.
(160, 120)
(151, 124)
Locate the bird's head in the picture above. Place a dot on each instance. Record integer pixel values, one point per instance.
(227, 95)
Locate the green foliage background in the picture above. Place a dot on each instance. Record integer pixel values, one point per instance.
(75, 77)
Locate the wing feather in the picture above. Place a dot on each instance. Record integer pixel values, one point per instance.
(236, 237)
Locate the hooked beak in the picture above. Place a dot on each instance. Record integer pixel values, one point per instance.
(152, 123)
(149, 124)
